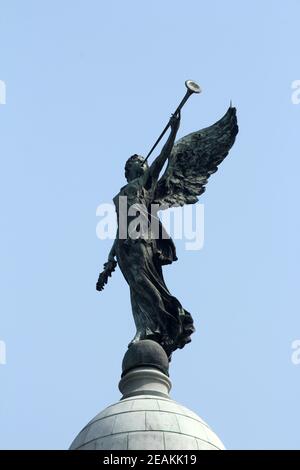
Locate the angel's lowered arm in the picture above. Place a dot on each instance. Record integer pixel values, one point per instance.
(159, 162)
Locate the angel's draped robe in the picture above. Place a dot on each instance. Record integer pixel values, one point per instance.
(157, 314)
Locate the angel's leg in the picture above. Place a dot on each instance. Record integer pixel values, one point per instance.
(146, 305)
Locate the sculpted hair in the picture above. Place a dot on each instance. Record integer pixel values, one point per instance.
(132, 159)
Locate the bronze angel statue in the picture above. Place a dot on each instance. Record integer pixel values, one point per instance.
(158, 315)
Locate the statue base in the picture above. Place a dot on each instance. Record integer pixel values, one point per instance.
(146, 418)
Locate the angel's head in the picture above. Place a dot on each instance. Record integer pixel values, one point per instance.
(135, 167)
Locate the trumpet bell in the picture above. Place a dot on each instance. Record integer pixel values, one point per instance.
(193, 86)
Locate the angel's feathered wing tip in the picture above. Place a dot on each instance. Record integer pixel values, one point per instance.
(232, 115)
(232, 108)
(229, 119)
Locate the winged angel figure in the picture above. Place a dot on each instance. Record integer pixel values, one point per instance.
(158, 315)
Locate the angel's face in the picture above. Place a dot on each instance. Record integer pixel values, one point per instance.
(135, 169)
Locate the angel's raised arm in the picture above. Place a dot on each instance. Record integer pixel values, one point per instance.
(159, 162)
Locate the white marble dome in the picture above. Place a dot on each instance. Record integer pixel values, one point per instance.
(146, 422)
(146, 418)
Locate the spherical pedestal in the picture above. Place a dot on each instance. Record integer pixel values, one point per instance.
(146, 418)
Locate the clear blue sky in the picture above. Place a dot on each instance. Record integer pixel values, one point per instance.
(88, 84)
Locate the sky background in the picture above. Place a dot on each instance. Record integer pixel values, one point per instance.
(89, 83)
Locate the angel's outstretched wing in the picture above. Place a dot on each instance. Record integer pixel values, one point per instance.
(193, 159)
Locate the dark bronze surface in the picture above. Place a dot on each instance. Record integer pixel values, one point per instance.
(158, 315)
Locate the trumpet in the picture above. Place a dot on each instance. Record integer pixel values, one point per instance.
(192, 87)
